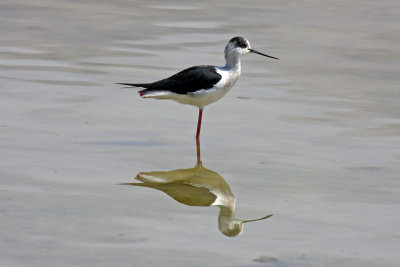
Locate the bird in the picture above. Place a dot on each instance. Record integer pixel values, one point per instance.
(201, 85)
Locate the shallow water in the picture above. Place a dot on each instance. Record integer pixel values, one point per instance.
(312, 138)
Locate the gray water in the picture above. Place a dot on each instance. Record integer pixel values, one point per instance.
(312, 138)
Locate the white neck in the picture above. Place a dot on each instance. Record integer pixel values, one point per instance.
(232, 61)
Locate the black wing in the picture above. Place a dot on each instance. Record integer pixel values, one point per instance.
(187, 81)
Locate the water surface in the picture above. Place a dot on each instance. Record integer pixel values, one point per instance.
(312, 138)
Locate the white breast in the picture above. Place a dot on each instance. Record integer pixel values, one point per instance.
(203, 98)
(229, 78)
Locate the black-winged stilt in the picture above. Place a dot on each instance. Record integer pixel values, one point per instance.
(201, 85)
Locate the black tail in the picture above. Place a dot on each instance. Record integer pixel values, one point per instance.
(144, 85)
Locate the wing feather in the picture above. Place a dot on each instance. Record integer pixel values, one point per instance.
(185, 82)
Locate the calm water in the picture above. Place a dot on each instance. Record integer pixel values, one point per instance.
(312, 138)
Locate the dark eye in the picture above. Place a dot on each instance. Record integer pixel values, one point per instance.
(243, 45)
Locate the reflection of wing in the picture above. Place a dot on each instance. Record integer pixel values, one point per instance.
(196, 186)
(183, 193)
(198, 176)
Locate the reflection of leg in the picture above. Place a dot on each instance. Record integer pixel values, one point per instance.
(198, 135)
(198, 150)
(199, 123)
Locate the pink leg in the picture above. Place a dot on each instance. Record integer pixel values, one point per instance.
(199, 123)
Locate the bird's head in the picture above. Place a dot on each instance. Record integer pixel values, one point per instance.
(241, 46)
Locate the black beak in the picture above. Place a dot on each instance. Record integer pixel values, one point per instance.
(256, 52)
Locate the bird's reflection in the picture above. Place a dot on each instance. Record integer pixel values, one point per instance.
(198, 186)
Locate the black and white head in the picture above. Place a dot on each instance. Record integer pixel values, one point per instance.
(241, 46)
